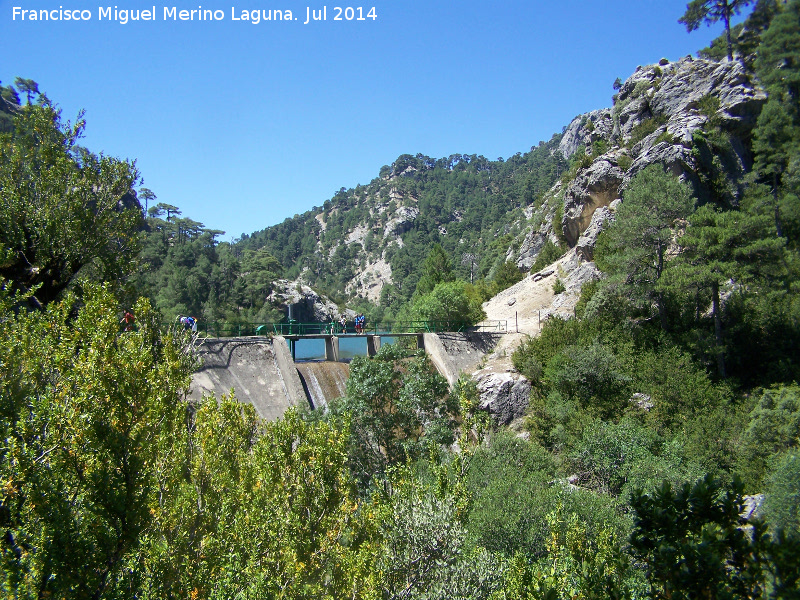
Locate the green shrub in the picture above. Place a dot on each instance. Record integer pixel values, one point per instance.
(640, 88)
(549, 254)
(590, 374)
(782, 501)
(507, 275)
(645, 128)
(556, 334)
(599, 147)
(618, 458)
(558, 228)
(510, 481)
(708, 105)
(559, 287)
(624, 162)
(448, 302)
(554, 421)
(690, 541)
(774, 428)
(679, 388)
(667, 137)
(587, 291)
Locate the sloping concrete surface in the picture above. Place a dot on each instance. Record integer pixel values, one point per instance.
(456, 353)
(259, 370)
(323, 381)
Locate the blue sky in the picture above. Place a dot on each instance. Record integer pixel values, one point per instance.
(242, 125)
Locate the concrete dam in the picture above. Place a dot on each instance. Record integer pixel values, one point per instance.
(261, 370)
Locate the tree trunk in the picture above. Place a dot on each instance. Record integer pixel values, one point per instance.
(727, 18)
(662, 310)
(718, 330)
(778, 225)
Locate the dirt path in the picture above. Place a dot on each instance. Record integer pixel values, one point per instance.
(525, 307)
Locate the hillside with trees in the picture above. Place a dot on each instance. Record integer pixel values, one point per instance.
(658, 457)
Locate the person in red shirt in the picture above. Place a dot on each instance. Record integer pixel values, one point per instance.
(128, 321)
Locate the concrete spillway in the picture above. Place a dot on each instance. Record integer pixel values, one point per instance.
(259, 370)
(323, 381)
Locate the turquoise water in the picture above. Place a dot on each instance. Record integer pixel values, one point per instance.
(349, 347)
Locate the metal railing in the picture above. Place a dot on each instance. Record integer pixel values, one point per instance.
(217, 329)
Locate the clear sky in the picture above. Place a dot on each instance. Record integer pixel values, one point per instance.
(242, 125)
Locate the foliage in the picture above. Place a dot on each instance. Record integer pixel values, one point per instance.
(256, 510)
(782, 501)
(773, 428)
(86, 414)
(710, 12)
(590, 374)
(395, 407)
(692, 544)
(436, 269)
(549, 254)
(505, 478)
(558, 286)
(619, 458)
(450, 303)
(575, 566)
(642, 233)
(507, 275)
(720, 246)
(645, 128)
(67, 213)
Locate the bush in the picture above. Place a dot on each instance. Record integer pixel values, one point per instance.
(618, 458)
(504, 479)
(559, 287)
(774, 428)
(645, 128)
(624, 162)
(448, 302)
(507, 275)
(556, 422)
(549, 254)
(782, 501)
(511, 484)
(590, 374)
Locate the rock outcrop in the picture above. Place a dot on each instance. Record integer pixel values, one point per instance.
(593, 188)
(656, 116)
(585, 130)
(308, 305)
(505, 396)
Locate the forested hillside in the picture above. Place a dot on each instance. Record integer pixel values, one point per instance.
(370, 241)
(659, 455)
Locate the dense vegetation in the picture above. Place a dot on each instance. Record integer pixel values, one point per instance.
(670, 395)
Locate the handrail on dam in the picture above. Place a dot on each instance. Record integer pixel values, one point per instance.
(215, 329)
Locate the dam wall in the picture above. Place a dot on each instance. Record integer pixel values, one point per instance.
(259, 370)
(323, 381)
(456, 353)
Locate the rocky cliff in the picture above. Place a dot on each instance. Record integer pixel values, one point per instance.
(660, 115)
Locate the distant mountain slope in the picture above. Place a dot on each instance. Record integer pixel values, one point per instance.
(370, 241)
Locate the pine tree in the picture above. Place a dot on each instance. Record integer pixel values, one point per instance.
(725, 249)
(436, 269)
(642, 233)
(711, 11)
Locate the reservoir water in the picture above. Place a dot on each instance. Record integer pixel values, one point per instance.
(349, 347)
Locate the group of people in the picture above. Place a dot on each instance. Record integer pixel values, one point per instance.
(189, 323)
(341, 326)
